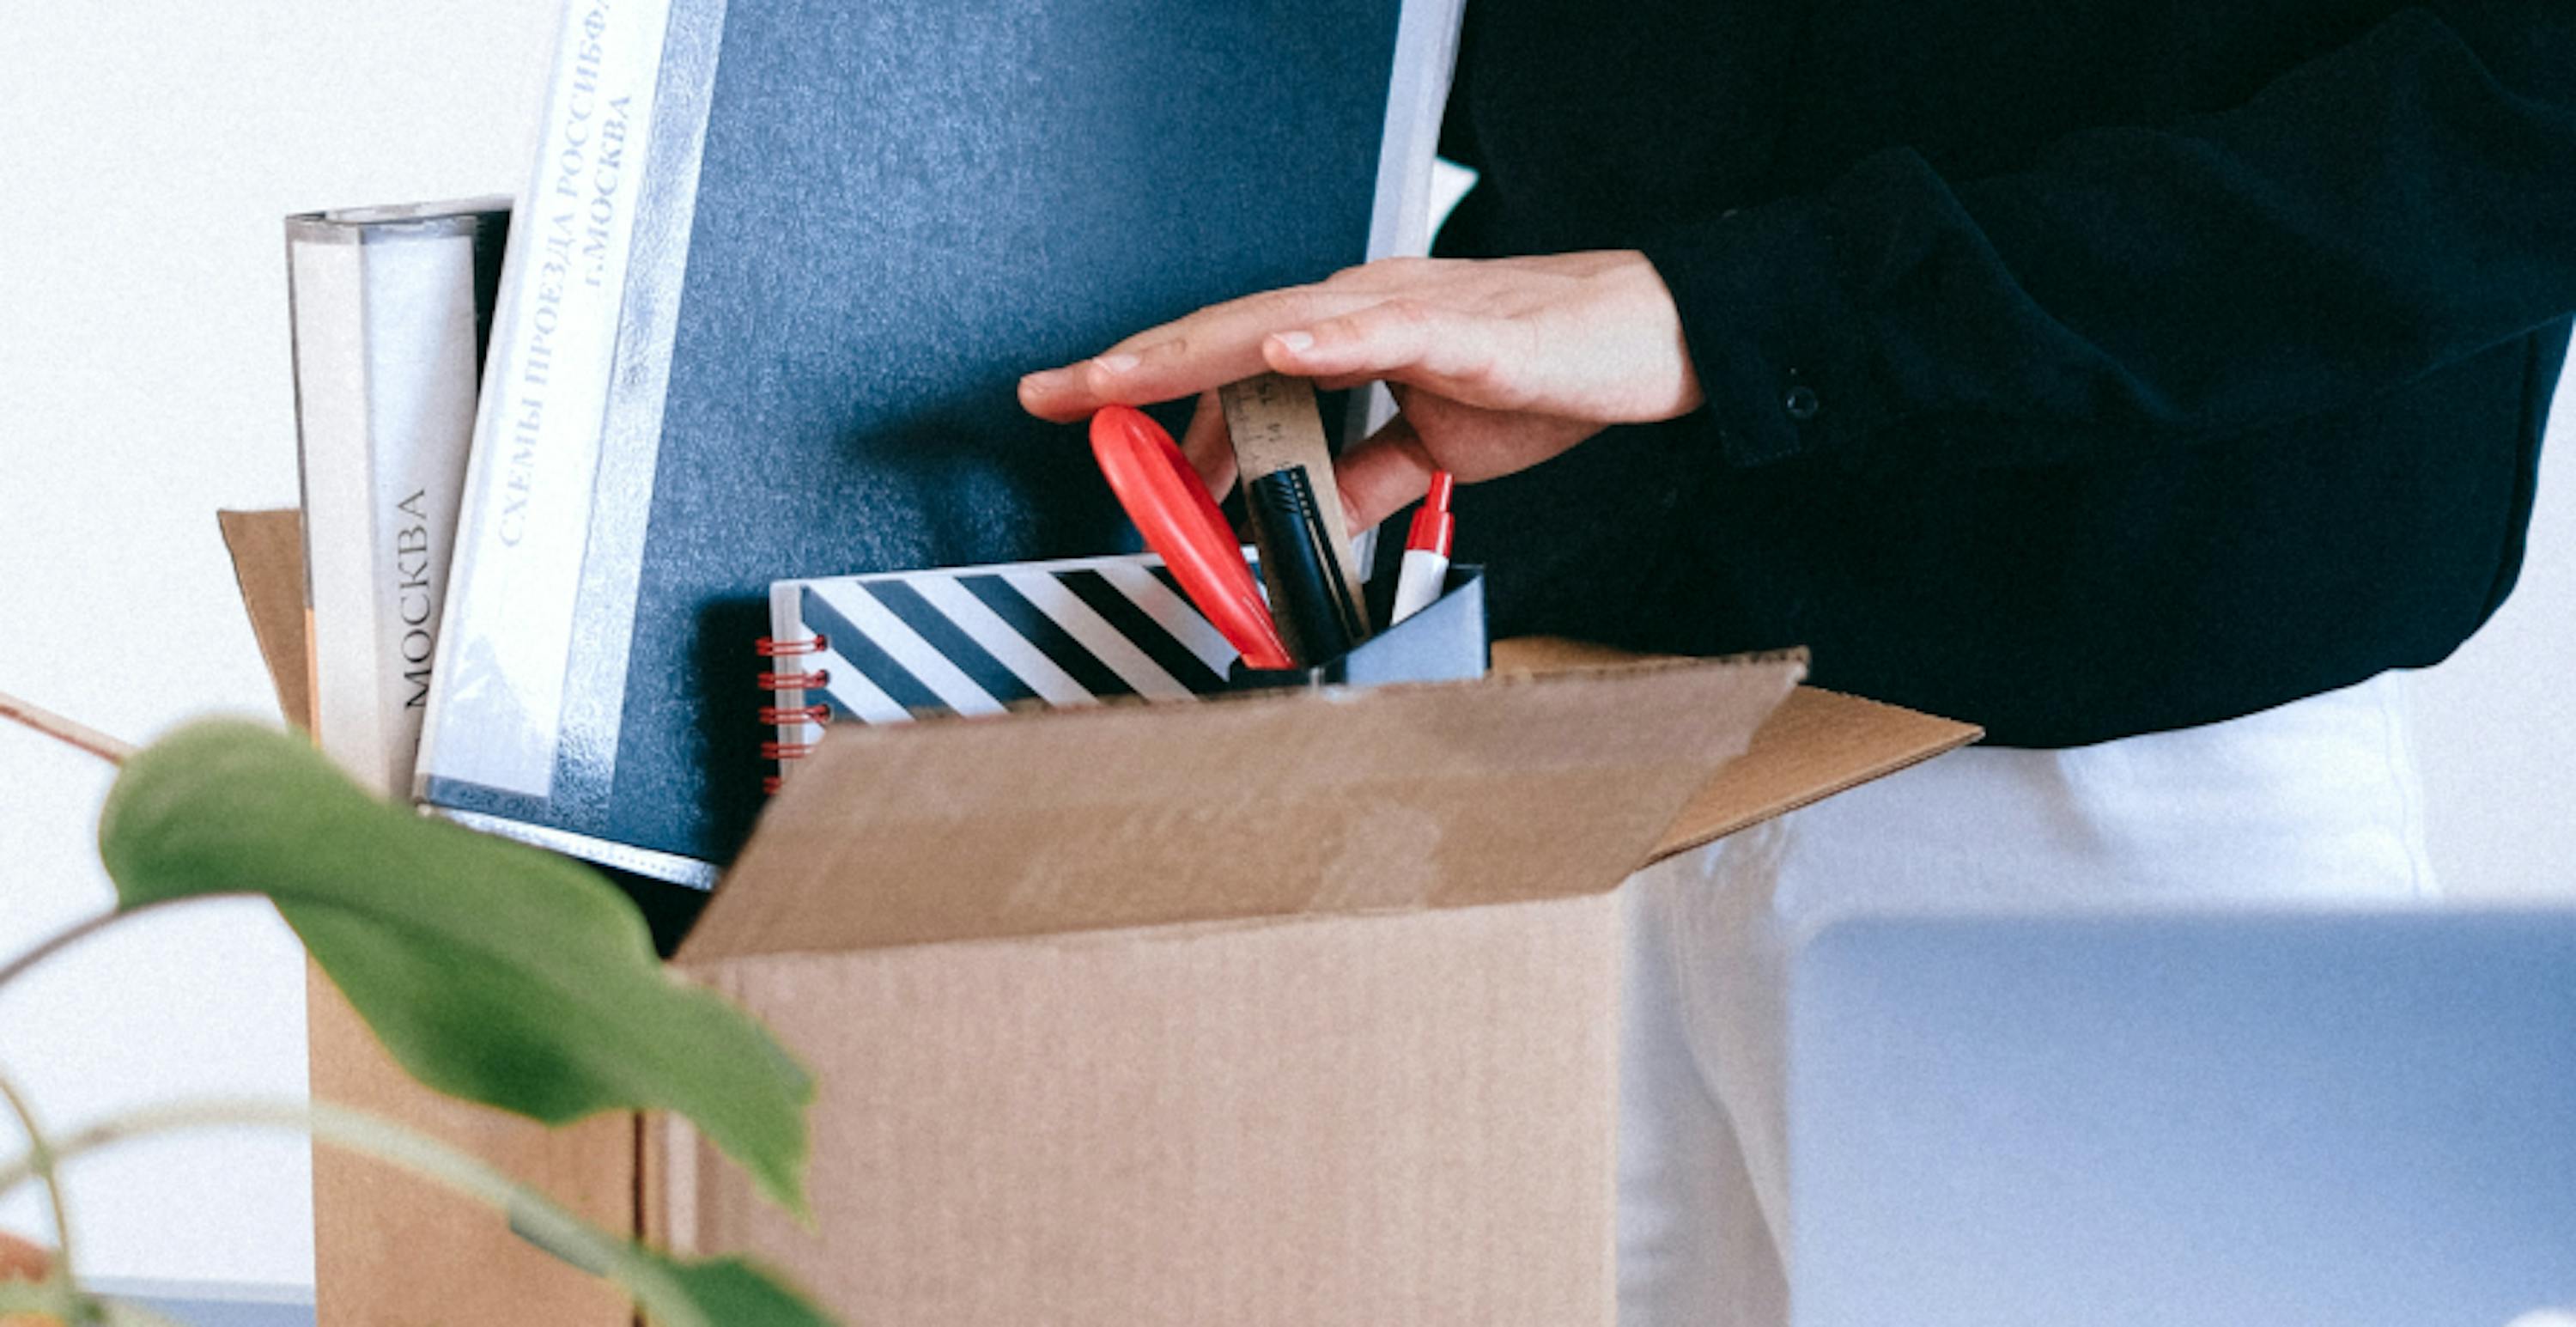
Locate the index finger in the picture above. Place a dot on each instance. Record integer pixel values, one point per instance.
(1206, 350)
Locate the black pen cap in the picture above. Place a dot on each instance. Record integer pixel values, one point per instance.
(1299, 565)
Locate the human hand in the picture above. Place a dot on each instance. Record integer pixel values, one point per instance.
(1495, 364)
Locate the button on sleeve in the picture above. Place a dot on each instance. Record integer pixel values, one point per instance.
(1773, 332)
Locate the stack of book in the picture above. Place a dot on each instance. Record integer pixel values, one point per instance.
(757, 315)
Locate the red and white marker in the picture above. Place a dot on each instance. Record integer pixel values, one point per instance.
(1426, 551)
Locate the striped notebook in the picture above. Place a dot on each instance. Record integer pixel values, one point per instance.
(897, 646)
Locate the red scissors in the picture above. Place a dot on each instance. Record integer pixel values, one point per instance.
(1172, 509)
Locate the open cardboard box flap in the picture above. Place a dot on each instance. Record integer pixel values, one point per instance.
(1257, 806)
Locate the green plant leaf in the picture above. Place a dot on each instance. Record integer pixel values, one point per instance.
(729, 1292)
(491, 970)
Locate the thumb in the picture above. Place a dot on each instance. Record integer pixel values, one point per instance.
(1382, 475)
(1209, 447)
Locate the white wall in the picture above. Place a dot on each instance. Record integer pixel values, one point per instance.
(148, 149)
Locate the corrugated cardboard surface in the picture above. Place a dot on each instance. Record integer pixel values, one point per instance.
(268, 562)
(1380, 1119)
(1130, 815)
(1115, 1026)
(1818, 743)
(1283, 1009)
(391, 1250)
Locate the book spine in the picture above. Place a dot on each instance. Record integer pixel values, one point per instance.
(1426, 57)
(506, 637)
(385, 324)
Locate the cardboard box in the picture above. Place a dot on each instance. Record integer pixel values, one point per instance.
(1292, 1009)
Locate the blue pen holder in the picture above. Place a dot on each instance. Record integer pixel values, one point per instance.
(1445, 642)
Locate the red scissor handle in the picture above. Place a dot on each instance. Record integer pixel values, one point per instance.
(1172, 509)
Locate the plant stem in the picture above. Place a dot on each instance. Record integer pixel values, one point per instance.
(82, 930)
(91, 740)
(40, 1156)
(534, 1217)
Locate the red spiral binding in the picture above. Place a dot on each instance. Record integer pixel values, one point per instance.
(782, 713)
(771, 649)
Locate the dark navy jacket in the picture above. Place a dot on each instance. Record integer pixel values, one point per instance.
(2080, 368)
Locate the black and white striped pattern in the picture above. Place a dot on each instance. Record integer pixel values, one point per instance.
(982, 640)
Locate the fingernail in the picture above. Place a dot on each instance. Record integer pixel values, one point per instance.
(1295, 343)
(1116, 363)
(1045, 380)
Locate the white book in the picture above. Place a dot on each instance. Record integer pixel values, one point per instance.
(390, 307)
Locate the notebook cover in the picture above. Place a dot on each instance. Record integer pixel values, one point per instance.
(897, 646)
(1066, 634)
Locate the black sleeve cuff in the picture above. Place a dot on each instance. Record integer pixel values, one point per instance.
(1773, 332)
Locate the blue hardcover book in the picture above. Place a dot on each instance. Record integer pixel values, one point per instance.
(779, 267)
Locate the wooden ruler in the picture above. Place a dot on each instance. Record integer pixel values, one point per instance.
(1276, 426)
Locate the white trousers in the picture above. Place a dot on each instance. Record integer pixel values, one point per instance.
(2315, 800)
